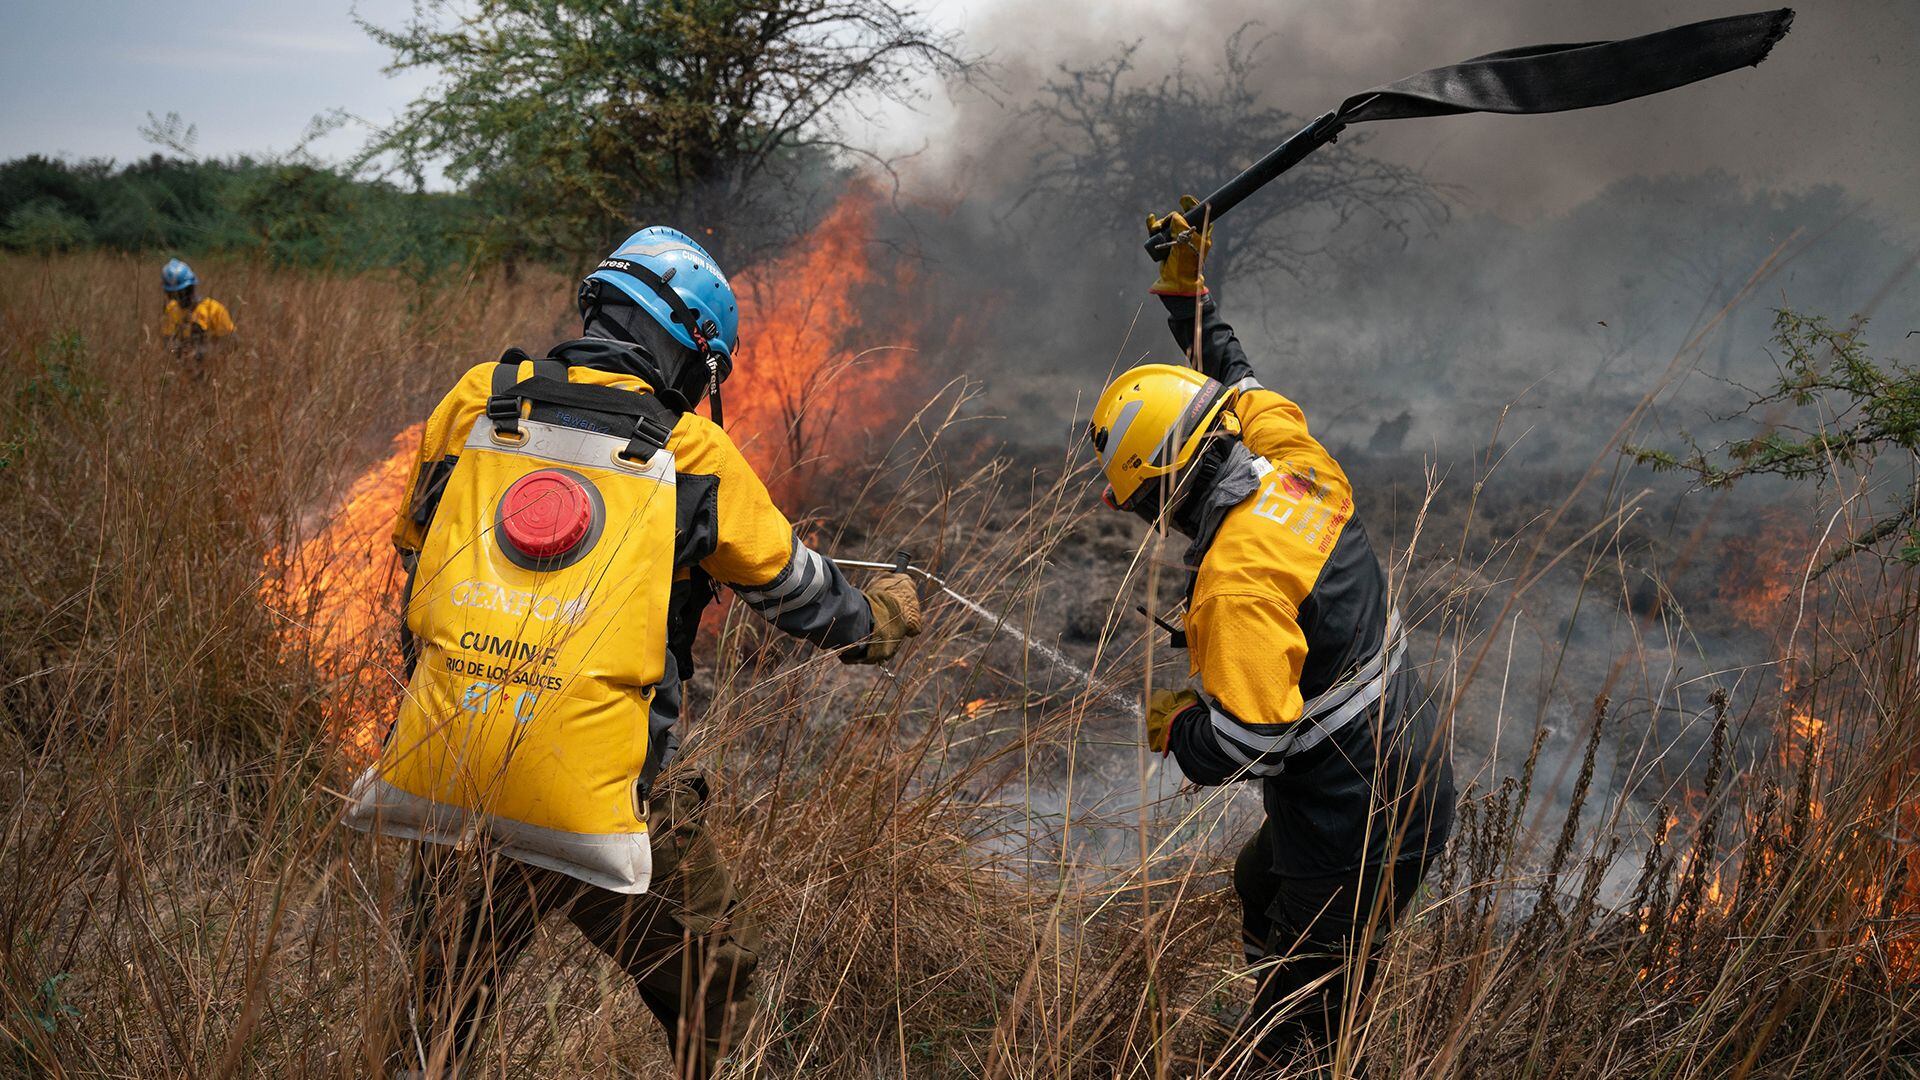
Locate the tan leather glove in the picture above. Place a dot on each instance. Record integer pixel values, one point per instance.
(1180, 272)
(1162, 707)
(896, 617)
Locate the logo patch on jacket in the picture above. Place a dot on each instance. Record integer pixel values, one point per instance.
(1302, 503)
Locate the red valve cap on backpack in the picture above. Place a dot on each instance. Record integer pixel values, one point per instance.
(546, 514)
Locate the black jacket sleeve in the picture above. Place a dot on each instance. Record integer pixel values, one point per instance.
(1200, 756)
(812, 600)
(1219, 353)
(1213, 748)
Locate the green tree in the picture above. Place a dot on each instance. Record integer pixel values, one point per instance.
(1847, 412)
(291, 212)
(43, 226)
(571, 119)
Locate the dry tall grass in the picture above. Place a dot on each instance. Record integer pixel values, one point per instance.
(176, 896)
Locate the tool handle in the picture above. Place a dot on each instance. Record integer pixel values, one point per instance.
(902, 564)
(1319, 133)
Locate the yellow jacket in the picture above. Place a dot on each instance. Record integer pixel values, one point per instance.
(1247, 646)
(208, 317)
(727, 528)
(753, 542)
(1294, 651)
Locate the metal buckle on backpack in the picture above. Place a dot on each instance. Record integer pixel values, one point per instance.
(653, 431)
(503, 410)
(649, 435)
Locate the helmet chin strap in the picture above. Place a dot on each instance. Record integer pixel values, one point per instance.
(702, 331)
(1176, 503)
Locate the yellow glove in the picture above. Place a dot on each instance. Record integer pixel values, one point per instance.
(1180, 271)
(1162, 707)
(896, 617)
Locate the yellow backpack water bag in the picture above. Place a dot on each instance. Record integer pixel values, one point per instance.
(539, 607)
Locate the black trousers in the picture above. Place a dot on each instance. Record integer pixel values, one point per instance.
(1315, 942)
(688, 945)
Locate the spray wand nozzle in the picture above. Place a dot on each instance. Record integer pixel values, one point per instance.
(903, 564)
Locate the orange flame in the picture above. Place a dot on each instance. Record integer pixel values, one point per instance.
(1762, 588)
(1762, 571)
(1806, 726)
(811, 373)
(339, 590)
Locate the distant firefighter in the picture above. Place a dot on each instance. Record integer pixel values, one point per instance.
(1297, 664)
(189, 325)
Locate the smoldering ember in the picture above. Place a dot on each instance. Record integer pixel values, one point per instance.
(849, 539)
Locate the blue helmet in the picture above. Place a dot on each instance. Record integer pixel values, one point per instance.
(677, 283)
(177, 275)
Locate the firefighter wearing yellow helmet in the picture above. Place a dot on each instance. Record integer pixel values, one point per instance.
(1297, 662)
(1149, 424)
(568, 521)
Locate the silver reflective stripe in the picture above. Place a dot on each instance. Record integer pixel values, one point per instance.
(1245, 737)
(1250, 750)
(804, 567)
(1324, 715)
(1364, 676)
(1237, 742)
(817, 578)
(1118, 431)
(1369, 695)
(783, 583)
(1246, 384)
(620, 862)
(571, 446)
(661, 247)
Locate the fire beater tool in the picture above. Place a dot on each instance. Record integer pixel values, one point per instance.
(1530, 79)
(903, 564)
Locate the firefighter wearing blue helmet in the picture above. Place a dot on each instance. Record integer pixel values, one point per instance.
(190, 325)
(176, 276)
(661, 291)
(660, 326)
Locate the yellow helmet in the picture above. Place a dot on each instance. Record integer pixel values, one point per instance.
(1148, 424)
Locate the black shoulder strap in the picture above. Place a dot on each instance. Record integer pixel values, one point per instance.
(503, 408)
(700, 331)
(651, 429)
(653, 419)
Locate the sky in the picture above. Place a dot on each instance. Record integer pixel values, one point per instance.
(249, 76)
(1838, 102)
